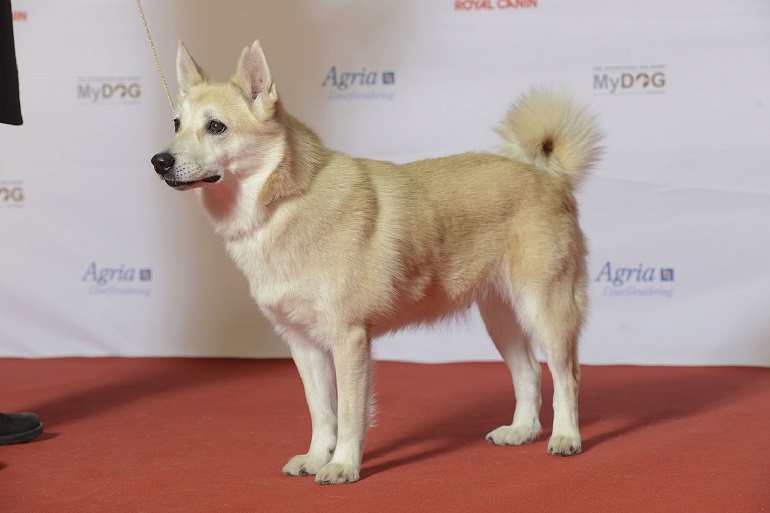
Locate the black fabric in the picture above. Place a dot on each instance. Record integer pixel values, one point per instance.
(10, 105)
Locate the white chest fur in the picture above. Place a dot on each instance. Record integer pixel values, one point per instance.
(280, 288)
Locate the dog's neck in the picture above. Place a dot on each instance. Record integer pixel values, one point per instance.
(239, 205)
(303, 156)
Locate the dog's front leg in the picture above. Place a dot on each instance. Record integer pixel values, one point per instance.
(353, 363)
(316, 369)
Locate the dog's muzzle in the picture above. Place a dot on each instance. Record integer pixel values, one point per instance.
(164, 163)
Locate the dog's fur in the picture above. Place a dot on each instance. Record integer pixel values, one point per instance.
(338, 250)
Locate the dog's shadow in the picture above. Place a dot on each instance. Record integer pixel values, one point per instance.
(627, 403)
(159, 376)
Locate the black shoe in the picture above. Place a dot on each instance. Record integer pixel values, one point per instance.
(19, 427)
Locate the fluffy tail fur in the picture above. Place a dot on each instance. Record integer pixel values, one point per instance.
(553, 132)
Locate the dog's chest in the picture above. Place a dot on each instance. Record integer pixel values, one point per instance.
(262, 265)
(276, 284)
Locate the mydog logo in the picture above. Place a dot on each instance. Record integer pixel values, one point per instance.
(491, 5)
(647, 79)
(11, 193)
(19, 16)
(101, 90)
(638, 281)
(363, 84)
(118, 280)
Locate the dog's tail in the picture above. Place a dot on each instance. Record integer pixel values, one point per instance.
(553, 132)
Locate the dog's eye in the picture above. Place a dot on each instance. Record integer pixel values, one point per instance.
(216, 127)
(176, 124)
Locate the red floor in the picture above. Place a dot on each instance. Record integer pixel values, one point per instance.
(207, 435)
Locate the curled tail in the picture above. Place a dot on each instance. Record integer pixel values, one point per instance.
(553, 132)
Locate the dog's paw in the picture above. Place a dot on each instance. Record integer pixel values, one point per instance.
(337, 473)
(305, 465)
(514, 435)
(562, 445)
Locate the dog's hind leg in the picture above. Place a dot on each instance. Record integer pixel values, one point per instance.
(554, 315)
(515, 347)
(316, 368)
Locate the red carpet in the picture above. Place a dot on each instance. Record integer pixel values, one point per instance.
(207, 435)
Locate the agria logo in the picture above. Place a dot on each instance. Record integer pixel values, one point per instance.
(646, 79)
(121, 280)
(637, 281)
(363, 84)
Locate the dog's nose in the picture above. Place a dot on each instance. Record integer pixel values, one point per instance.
(162, 162)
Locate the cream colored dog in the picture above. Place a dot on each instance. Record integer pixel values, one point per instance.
(338, 250)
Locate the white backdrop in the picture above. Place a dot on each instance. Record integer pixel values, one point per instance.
(98, 257)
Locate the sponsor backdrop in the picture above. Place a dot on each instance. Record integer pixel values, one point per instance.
(100, 258)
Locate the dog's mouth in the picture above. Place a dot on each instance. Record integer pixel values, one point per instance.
(180, 185)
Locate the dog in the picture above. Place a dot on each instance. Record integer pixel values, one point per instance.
(340, 250)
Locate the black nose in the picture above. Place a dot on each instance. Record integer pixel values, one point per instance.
(162, 162)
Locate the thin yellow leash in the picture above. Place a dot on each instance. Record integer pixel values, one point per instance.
(155, 55)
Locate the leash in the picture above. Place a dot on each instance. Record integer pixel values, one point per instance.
(154, 54)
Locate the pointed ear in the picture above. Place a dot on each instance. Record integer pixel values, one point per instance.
(254, 78)
(188, 73)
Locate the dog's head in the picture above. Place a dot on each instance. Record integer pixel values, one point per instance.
(223, 130)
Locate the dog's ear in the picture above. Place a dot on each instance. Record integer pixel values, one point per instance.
(254, 78)
(188, 73)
